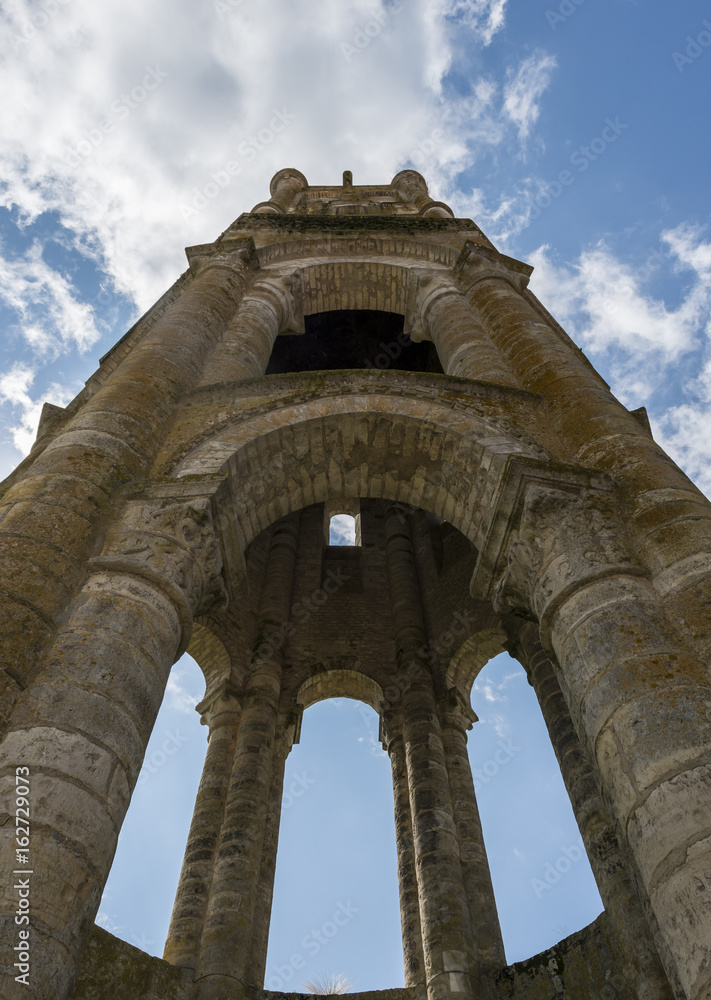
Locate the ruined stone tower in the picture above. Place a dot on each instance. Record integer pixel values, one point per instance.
(353, 349)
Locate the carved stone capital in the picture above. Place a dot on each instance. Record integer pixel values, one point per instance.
(231, 254)
(455, 710)
(477, 262)
(554, 530)
(225, 703)
(173, 547)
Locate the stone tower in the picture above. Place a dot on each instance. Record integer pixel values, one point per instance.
(353, 349)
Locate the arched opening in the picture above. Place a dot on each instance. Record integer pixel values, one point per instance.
(544, 886)
(336, 904)
(138, 896)
(353, 338)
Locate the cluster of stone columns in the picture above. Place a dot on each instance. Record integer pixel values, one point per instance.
(633, 679)
(610, 866)
(640, 701)
(83, 723)
(220, 921)
(82, 728)
(51, 515)
(450, 927)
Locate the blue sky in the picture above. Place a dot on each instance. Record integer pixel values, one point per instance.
(576, 134)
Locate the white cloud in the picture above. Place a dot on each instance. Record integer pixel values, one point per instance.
(604, 303)
(684, 432)
(15, 389)
(645, 348)
(524, 89)
(179, 696)
(122, 112)
(51, 316)
(485, 16)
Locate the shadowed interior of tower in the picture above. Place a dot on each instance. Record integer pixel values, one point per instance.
(358, 338)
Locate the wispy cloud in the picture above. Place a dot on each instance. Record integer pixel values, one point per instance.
(524, 89)
(50, 315)
(645, 345)
(605, 301)
(185, 686)
(15, 387)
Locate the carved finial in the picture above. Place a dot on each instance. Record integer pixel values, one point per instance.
(347, 178)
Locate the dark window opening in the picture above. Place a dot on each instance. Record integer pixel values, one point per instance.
(360, 338)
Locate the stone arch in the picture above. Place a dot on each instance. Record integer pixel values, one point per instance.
(340, 684)
(409, 446)
(211, 656)
(473, 655)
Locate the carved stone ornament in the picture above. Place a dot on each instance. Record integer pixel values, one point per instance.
(230, 254)
(477, 262)
(172, 546)
(553, 532)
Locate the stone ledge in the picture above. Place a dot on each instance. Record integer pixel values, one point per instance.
(349, 224)
(581, 967)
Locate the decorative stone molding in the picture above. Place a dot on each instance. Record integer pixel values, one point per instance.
(228, 254)
(553, 530)
(477, 262)
(225, 699)
(455, 710)
(172, 546)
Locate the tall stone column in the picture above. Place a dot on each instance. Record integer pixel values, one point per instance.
(670, 517)
(640, 960)
(82, 729)
(464, 347)
(222, 716)
(272, 306)
(450, 961)
(227, 932)
(456, 718)
(48, 518)
(406, 868)
(640, 702)
(267, 867)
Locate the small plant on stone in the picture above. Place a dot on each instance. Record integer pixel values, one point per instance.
(328, 984)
